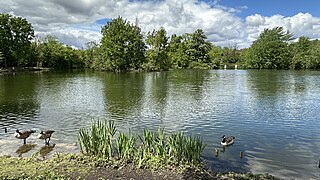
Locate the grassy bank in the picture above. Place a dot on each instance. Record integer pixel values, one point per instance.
(60, 166)
(78, 166)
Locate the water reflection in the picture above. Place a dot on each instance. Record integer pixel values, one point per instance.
(123, 93)
(46, 149)
(18, 103)
(24, 149)
(272, 114)
(281, 111)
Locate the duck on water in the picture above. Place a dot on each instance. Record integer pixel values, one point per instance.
(227, 140)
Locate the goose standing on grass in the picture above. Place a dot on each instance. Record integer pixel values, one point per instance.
(227, 140)
(23, 135)
(46, 135)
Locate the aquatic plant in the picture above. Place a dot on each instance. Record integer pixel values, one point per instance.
(149, 149)
(98, 139)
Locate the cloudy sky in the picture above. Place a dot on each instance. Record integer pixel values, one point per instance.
(226, 22)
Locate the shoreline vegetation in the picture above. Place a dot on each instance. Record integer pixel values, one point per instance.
(124, 47)
(107, 153)
(78, 166)
(23, 69)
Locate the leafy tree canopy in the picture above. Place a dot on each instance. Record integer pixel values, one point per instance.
(157, 54)
(122, 45)
(270, 50)
(16, 34)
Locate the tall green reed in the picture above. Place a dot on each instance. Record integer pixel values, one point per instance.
(98, 139)
(151, 149)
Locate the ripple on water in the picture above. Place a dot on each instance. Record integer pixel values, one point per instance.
(273, 114)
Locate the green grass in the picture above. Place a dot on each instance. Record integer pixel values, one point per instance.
(60, 166)
(149, 149)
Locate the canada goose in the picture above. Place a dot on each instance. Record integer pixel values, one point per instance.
(23, 134)
(46, 135)
(227, 140)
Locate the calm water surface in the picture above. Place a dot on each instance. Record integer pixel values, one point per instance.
(274, 115)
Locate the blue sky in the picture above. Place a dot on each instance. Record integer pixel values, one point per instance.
(272, 7)
(103, 21)
(225, 22)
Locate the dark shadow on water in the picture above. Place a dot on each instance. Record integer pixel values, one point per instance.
(24, 149)
(45, 150)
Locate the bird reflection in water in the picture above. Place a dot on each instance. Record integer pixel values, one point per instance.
(24, 149)
(45, 150)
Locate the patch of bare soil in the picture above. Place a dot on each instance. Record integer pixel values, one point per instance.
(131, 172)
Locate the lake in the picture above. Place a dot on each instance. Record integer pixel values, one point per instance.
(274, 115)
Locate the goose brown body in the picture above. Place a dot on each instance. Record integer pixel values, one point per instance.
(46, 135)
(23, 134)
(227, 140)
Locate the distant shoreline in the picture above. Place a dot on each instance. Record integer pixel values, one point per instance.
(24, 69)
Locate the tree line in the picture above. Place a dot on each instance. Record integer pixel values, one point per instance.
(124, 47)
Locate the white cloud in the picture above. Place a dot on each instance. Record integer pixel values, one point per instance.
(301, 24)
(74, 22)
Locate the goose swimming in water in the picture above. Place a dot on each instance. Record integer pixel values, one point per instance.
(46, 135)
(23, 134)
(227, 140)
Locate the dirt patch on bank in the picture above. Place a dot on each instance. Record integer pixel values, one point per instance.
(133, 173)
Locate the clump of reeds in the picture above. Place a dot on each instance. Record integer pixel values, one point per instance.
(150, 149)
(98, 139)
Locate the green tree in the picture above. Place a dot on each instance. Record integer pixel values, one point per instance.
(157, 54)
(270, 50)
(198, 47)
(54, 54)
(32, 56)
(313, 59)
(216, 55)
(177, 48)
(173, 50)
(190, 50)
(16, 34)
(50, 52)
(230, 54)
(301, 53)
(122, 46)
(91, 54)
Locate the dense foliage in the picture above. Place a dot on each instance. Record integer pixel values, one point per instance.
(270, 50)
(190, 50)
(16, 34)
(53, 54)
(124, 48)
(274, 49)
(157, 54)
